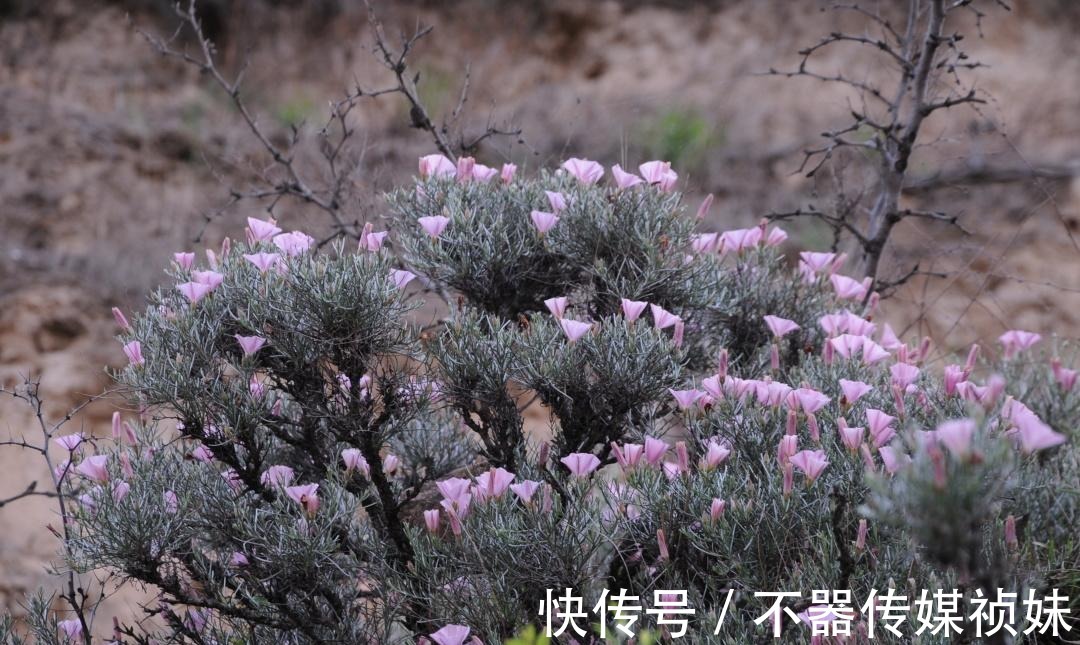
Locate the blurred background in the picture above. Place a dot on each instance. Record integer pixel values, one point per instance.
(112, 156)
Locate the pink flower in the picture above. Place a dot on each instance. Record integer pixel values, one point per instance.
(390, 463)
(401, 277)
(880, 426)
(261, 230)
(580, 463)
(780, 327)
(172, 502)
(121, 319)
(810, 462)
(432, 519)
(739, 239)
(623, 179)
(483, 174)
(1064, 376)
(776, 236)
(956, 435)
(853, 390)
(525, 490)
(370, 240)
(464, 169)
(851, 437)
(194, 291)
(307, 496)
(120, 490)
(954, 374)
(72, 629)
(715, 455)
(663, 318)
(818, 262)
(686, 398)
(705, 243)
(809, 401)
(703, 209)
(279, 475)
(587, 172)
(354, 460)
(848, 288)
(263, 261)
(184, 260)
(436, 166)
(451, 635)
(508, 172)
(1016, 341)
(659, 173)
(856, 325)
(1033, 432)
(294, 243)
(434, 225)
(133, 351)
(453, 488)
(904, 374)
(847, 345)
(574, 329)
(250, 344)
(557, 306)
(889, 339)
(632, 309)
(202, 453)
(238, 559)
(544, 221)
(494, 482)
(716, 509)
(655, 449)
(70, 442)
(212, 279)
(94, 468)
(872, 352)
(557, 201)
(893, 459)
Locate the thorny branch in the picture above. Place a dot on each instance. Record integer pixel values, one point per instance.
(289, 180)
(921, 52)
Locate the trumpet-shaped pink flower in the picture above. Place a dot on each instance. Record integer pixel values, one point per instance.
(544, 221)
(484, 174)
(354, 460)
(525, 490)
(584, 170)
(433, 225)
(808, 400)
(133, 351)
(740, 239)
(172, 502)
(464, 169)
(72, 629)
(432, 519)
(659, 173)
(250, 344)
(94, 468)
(212, 279)
(451, 635)
(557, 306)
(436, 166)
(705, 243)
(904, 374)
(557, 201)
(194, 291)
(306, 495)
(851, 437)
(655, 449)
(70, 441)
(780, 327)
(811, 462)
(455, 491)
(1064, 376)
(893, 459)
(261, 230)
(848, 288)
(872, 352)
(184, 259)
(401, 277)
(776, 236)
(238, 559)
(370, 240)
(954, 374)
(279, 475)
(294, 243)
(202, 453)
(574, 329)
(580, 463)
(853, 390)
(716, 508)
(715, 455)
(857, 325)
(1034, 434)
(632, 309)
(686, 398)
(880, 425)
(390, 463)
(847, 345)
(494, 483)
(508, 172)
(818, 262)
(833, 324)
(956, 435)
(623, 179)
(789, 445)
(663, 318)
(1015, 341)
(121, 319)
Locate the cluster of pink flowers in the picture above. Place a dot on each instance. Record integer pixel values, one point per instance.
(459, 494)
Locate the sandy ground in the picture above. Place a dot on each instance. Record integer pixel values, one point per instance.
(110, 156)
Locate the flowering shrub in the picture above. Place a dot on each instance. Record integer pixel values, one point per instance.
(309, 465)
